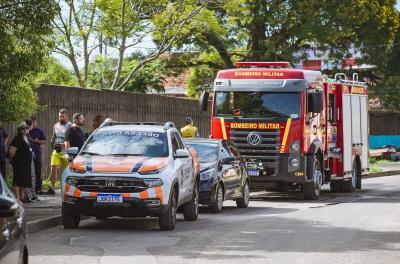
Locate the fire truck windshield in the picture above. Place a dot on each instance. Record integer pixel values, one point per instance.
(257, 104)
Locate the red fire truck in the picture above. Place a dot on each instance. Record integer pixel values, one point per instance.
(295, 129)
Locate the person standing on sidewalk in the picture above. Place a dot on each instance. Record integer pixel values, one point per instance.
(58, 158)
(74, 136)
(21, 159)
(39, 139)
(3, 147)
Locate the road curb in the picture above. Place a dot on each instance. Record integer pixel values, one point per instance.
(382, 174)
(40, 224)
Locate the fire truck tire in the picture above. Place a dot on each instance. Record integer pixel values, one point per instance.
(217, 201)
(312, 190)
(359, 177)
(336, 186)
(244, 201)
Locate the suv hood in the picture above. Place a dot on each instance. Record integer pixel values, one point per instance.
(117, 164)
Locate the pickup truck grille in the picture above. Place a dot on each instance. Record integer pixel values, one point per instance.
(266, 152)
(111, 184)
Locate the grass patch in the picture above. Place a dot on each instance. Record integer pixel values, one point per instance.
(375, 169)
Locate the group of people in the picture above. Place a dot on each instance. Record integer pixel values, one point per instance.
(25, 155)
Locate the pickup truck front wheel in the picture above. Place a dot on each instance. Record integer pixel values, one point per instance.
(191, 209)
(69, 220)
(168, 220)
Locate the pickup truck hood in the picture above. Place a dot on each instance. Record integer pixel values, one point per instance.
(117, 164)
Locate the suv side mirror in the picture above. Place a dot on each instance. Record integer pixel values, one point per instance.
(8, 207)
(203, 101)
(181, 154)
(315, 102)
(73, 151)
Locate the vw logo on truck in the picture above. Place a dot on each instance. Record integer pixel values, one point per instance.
(254, 139)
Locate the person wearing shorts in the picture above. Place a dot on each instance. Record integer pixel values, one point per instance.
(59, 159)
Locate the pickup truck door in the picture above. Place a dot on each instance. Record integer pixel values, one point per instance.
(186, 170)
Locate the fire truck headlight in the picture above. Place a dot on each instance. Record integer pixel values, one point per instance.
(295, 162)
(295, 146)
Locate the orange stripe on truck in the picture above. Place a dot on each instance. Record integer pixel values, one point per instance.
(144, 194)
(77, 193)
(159, 193)
(66, 190)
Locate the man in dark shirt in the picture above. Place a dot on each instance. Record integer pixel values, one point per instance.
(3, 144)
(74, 136)
(38, 139)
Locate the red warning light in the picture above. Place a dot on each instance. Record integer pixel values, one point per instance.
(271, 64)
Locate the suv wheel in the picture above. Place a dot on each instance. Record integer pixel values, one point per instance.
(191, 209)
(168, 220)
(69, 220)
(216, 202)
(244, 201)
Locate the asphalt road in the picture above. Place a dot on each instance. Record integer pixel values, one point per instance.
(362, 227)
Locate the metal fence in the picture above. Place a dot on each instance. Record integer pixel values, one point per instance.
(120, 106)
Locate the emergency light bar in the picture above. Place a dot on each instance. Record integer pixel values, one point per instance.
(263, 64)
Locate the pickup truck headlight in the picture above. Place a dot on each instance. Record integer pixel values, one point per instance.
(153, 182)
(71, 180)
(206, 175)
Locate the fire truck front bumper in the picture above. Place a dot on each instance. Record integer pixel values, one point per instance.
(288, 168)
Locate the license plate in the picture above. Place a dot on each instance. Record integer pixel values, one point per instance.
(109, 198)
(253, 172)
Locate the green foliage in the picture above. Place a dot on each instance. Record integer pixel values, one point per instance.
(24, 26)
(102, 71)
(54, 72)
(389, 92)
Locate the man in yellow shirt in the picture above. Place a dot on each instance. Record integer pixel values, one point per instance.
(189, 131)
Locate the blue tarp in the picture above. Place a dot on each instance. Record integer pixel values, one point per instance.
(380, 141)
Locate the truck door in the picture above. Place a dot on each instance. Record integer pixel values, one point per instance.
(347, 133)
(364, 130)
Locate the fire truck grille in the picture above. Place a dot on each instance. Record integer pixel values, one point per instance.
(111, 184)
(267, 151)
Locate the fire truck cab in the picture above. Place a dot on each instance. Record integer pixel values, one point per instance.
(295, 129)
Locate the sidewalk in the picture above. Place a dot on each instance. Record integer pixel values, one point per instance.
(45, 213)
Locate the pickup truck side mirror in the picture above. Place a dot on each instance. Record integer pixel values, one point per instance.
(181, 154)
(229, 160)
(73, 151)
(8, 207)
(203, 101)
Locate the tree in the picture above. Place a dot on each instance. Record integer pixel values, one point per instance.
(24, 28)
(125, 23)
(55, 73)
(75, 32)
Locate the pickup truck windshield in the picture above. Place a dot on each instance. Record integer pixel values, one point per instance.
(127, 143)
(257, 104)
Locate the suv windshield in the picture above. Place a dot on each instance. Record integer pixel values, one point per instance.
(257, 104)
(129, 143)
(207, 152)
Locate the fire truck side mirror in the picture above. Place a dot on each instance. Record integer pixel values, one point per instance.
(203, 101)
(315, 102)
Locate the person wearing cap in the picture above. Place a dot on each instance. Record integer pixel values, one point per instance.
(21, 155)
(189, 131)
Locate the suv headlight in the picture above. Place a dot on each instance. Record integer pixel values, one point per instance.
(206, 175)
(295, 146)
(71, 180)
(153, 182)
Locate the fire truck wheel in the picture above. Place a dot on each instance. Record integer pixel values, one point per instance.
(350, 184)
(359, 177)
(336, 186)
(312, 190)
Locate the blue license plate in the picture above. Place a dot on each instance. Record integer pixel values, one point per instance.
(109, 198)
(253, 172)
